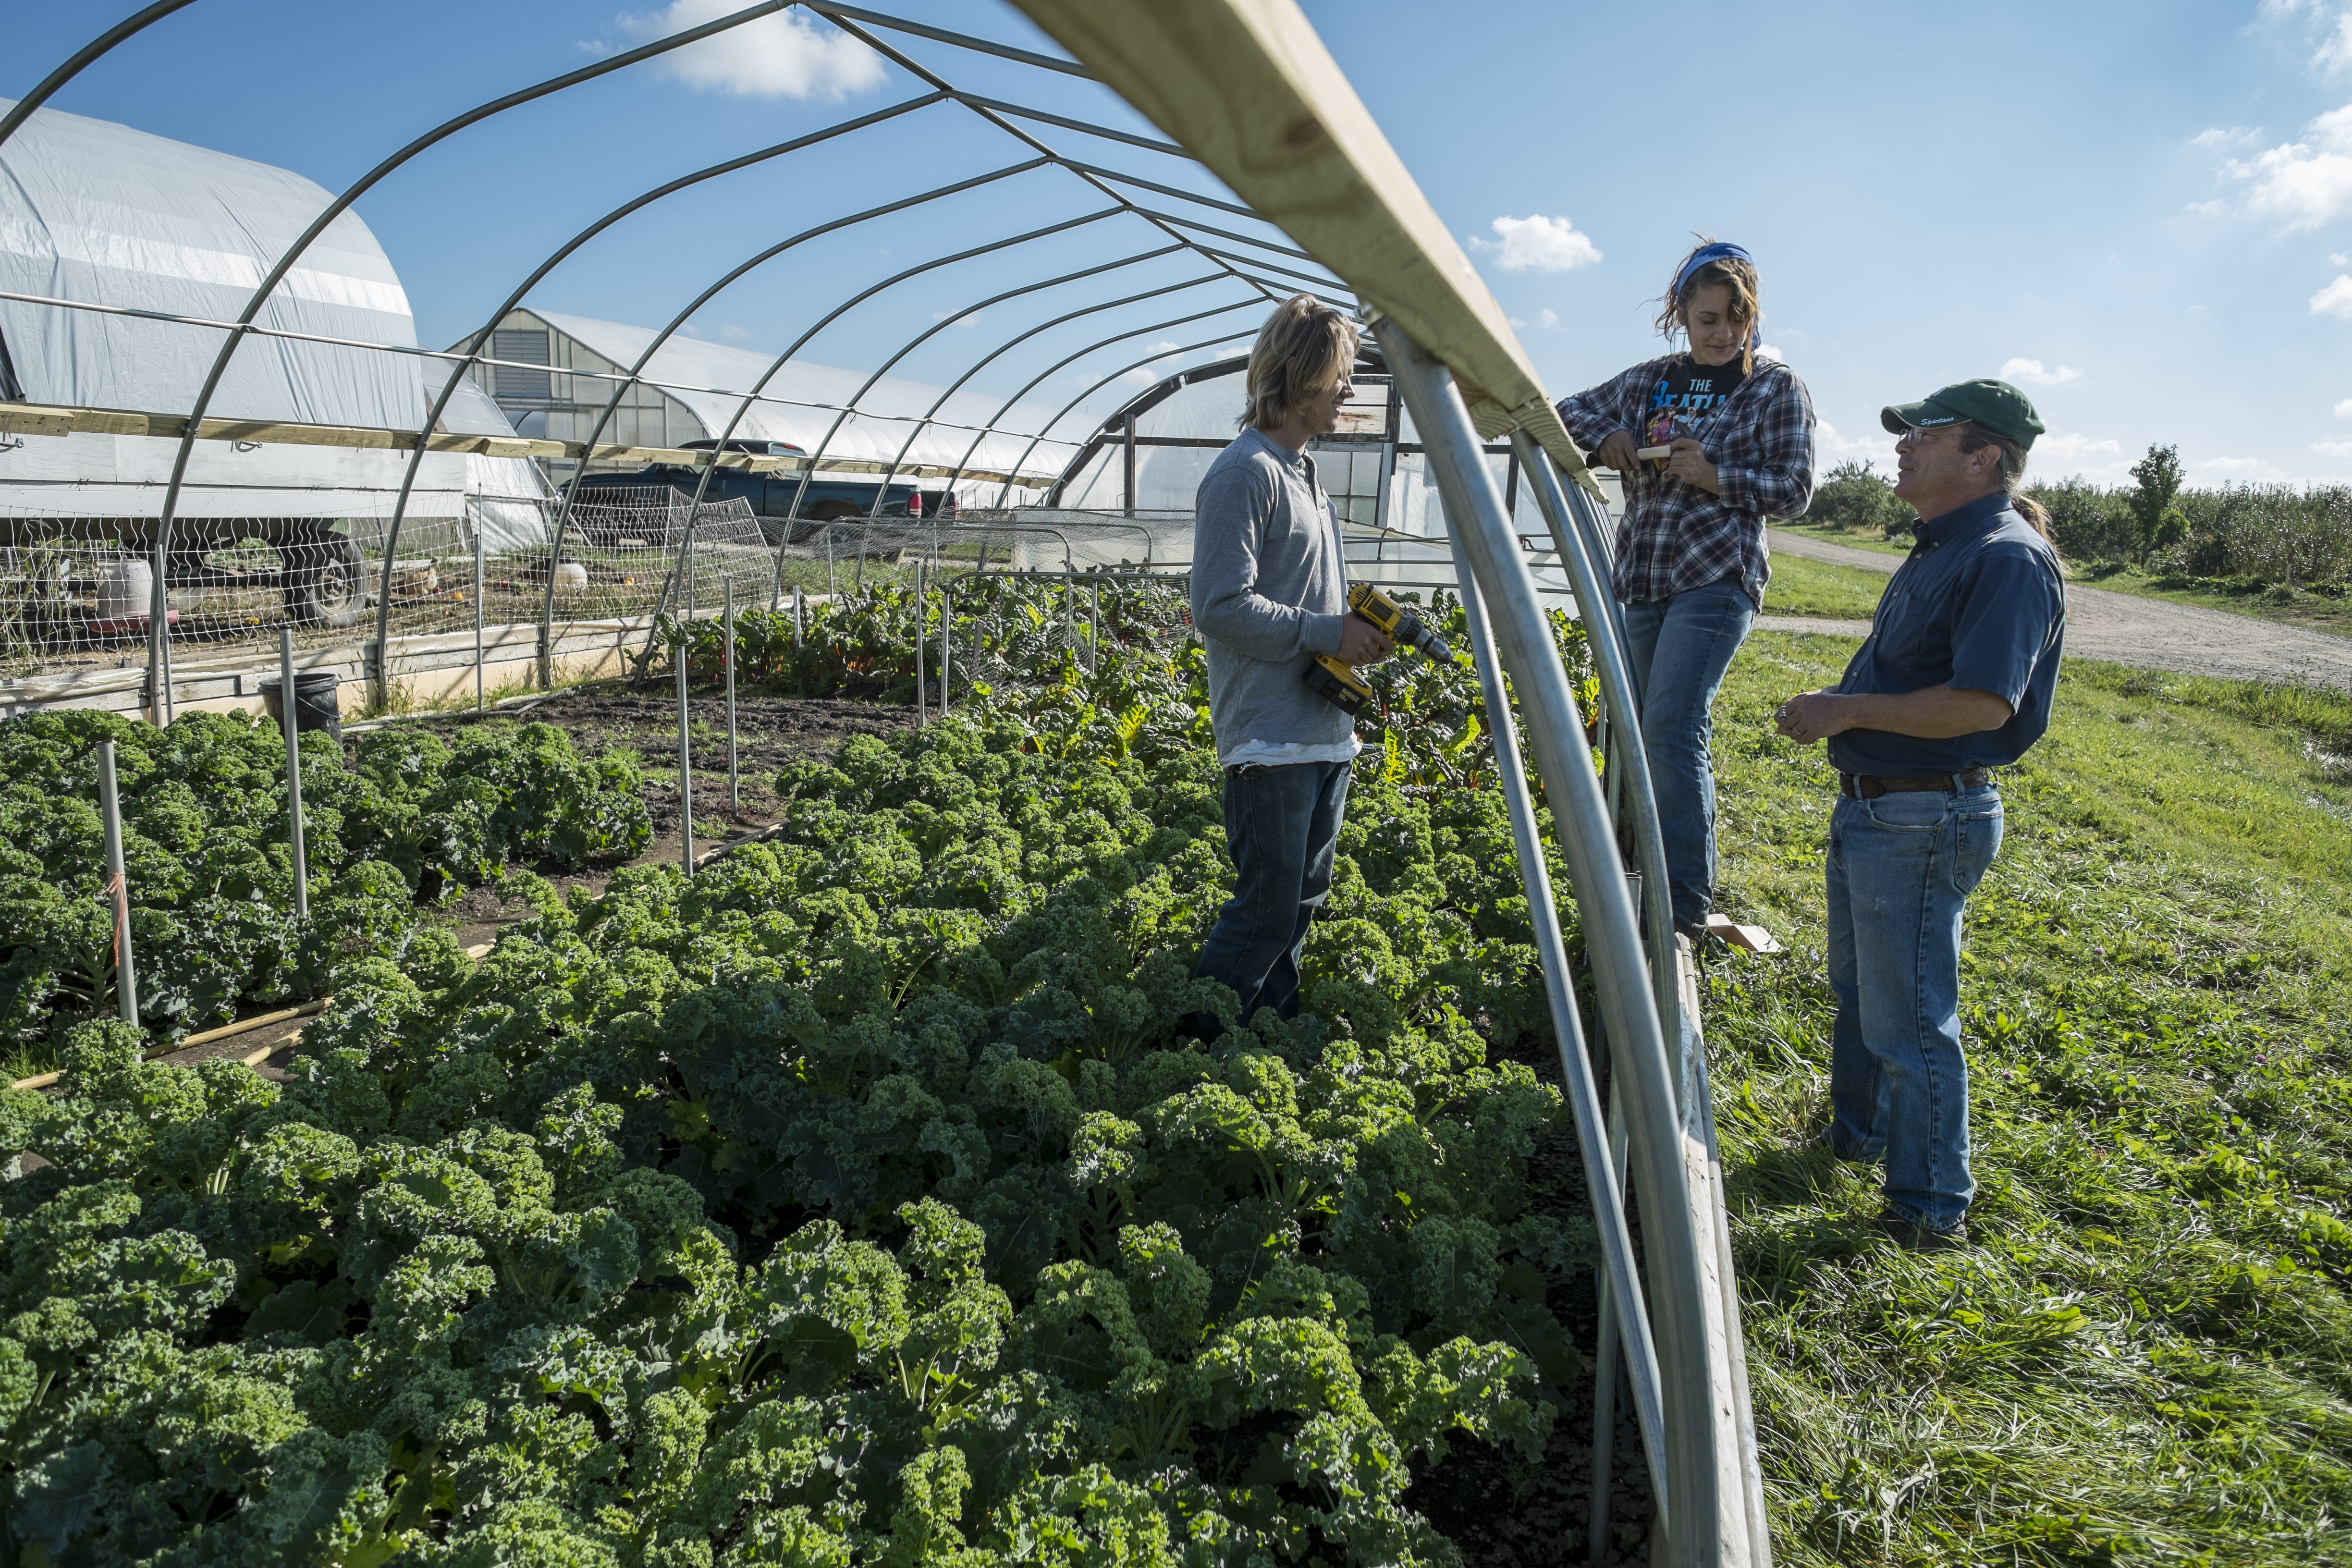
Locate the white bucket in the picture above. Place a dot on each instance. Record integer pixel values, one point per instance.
(126, 589)
(570, 577)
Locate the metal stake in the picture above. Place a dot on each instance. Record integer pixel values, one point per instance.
(1093, 629)
(685, 764)
(727, 635)
(109, 804)
(799, 680)
(946, 648)
(828, 559)
(477, 615)
(293, 726)
(922, 704)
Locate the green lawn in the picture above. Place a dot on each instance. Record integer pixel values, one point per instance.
(2294, 607)
(1802, 586)
(2148, 1355)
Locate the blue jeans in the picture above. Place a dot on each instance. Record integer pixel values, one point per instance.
(1900, 869)
(1281, 828)
(1680, 648)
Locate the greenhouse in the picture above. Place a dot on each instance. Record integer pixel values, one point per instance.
(846, 1194)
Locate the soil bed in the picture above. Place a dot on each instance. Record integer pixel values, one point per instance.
(770, 731)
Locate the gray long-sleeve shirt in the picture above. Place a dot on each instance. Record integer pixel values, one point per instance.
(1269, 592)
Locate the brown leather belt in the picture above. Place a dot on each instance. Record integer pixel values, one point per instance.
(1862, 787)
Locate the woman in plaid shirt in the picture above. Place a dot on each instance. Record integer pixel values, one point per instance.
(1691, 565)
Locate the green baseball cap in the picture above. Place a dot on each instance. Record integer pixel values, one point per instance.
(1995, 405)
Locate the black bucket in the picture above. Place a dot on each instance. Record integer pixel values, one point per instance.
(316, 703)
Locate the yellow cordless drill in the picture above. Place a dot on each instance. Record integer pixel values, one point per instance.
(1338, 683)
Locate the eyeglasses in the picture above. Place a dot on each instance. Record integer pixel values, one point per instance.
(1919, 436)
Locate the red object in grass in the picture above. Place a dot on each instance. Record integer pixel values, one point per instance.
(129, 624)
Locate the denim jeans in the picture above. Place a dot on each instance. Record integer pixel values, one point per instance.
(1680, 648)
(1900, 869)
(1281, 828)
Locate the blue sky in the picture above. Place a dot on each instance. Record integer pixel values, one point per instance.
(2143, 212)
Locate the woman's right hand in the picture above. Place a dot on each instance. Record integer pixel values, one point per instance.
(1617, 452)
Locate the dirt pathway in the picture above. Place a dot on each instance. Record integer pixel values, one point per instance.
(2148, 634)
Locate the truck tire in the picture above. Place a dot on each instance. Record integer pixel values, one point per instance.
(811, 524)
(326, 582)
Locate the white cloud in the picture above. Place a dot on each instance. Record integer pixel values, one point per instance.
(2336, 300)
(1768, 352)
(777, 56)
(2235, 470)
(2340, 260)
(2304, 184)
(2031, 371)
(1546, 320)
(972, 320)
(2207, 209)
(1538, 244)
(1874, 446)
(2333, 448)
(2334, 56)
(1144, 375)
(2231, 136)
(733, 333)
(2056, 457)
(2343, 409)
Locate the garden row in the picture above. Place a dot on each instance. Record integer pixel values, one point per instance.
(406, 819)
(854, 1200)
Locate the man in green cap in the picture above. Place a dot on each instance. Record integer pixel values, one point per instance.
(1955, 680)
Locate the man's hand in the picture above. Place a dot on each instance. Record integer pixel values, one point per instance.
(1361, 642)
(1688, 462)
(1617, 452)
(1814, 716)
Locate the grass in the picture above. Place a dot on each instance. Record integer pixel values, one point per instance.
(1802, 586)
(2266, 602)
(2146, 1357)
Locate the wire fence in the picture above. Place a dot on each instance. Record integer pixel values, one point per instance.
(488, 599)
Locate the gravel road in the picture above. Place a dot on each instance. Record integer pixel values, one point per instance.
(2149, 634)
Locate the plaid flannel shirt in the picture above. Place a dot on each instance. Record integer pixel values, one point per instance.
(1673, 536)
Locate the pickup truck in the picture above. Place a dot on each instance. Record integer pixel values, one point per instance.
(829, 497)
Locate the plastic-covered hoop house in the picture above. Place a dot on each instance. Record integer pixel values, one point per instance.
(1289, 184)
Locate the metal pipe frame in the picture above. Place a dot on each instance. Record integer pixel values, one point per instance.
(1677, 1280)
(1064, 412)
(138, 22)
(1575, 1065)
(159, 638)
(1593, 598)
(473, 353)
(621, 388)
(808, 469)
(850, 408)
(979, 364)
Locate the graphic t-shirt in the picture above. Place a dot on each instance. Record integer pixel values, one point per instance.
(1686, 400)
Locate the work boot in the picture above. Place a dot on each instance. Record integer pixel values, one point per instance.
(1915, 1238)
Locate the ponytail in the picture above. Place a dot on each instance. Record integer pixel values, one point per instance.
(1975, 438)
(2036, 515)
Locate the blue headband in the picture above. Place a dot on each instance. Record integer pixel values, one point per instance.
(1720, 250)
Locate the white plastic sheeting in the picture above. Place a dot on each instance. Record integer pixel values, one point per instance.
(101, 214)
(799, 403)
(505, 492)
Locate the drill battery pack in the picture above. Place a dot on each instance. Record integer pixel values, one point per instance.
(1337, 685)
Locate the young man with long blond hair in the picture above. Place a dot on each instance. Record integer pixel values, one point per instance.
(1269, 593)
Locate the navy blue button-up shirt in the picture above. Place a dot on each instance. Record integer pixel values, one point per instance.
(1979, 605)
